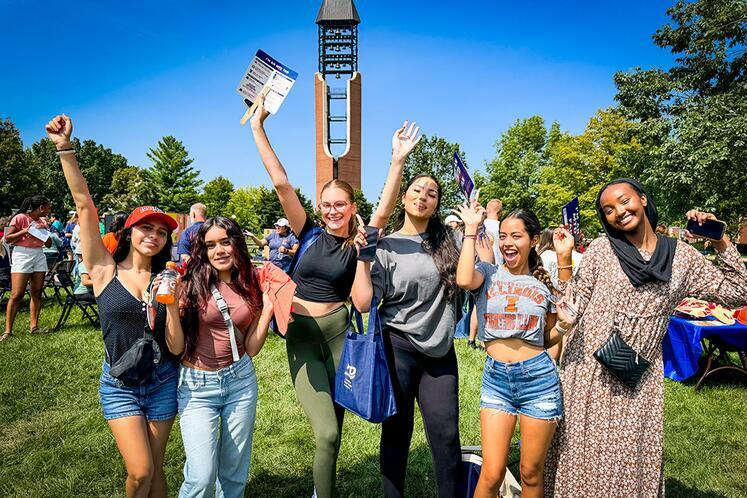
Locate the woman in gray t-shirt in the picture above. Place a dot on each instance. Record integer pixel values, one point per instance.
(517, 321)
(414, 278)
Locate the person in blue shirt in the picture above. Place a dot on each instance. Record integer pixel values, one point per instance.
(282, 243)
(67, 233)
(197, 215)
(55, 225)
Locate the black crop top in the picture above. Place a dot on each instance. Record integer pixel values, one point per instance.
(123, 321)
(326, 270)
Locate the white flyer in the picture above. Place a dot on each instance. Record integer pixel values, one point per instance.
(40, 233)
(266, 73)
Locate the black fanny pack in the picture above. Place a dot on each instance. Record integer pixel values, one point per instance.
(137, 364)
(621, 360)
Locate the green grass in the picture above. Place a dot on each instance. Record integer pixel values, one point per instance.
(55, 443)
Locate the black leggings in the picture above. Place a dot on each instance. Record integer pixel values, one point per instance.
(434, 382)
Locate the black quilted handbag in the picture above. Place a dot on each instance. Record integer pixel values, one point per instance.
(621, 360)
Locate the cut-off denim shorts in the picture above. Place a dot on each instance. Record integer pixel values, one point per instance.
(154, 399)
(530, 387)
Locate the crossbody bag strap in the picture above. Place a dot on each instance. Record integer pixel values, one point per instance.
(223, 308)
(306, 241)
(151, 306)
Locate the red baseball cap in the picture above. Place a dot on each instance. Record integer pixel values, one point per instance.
(141, 213)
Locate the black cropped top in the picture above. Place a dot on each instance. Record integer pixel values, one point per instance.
(326, 270)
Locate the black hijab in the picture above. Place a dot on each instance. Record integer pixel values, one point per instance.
(638, 270)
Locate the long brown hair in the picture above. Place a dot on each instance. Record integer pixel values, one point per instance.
(200, 275)
(348, 189)
(439, 242)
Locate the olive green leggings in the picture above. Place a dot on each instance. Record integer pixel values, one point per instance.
(314, 346)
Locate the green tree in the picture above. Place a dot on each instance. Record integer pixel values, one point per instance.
(578, 166)
(242, 207)
(365, 208)
(43, 158)
(216, 194)
(172, 182)
(513, 175)
(433, 156)
(97, 163)
(257, 208)
(692, 118)
(17, 176)
(126, 191)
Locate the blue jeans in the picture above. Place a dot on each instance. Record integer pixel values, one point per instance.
(530, 387)
(154, 399)
(217, 412)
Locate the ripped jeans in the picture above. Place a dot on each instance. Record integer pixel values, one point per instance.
(530, 387)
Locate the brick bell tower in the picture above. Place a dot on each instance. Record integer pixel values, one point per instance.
(338, 100)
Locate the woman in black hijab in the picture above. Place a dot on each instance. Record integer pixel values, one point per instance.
(625, 236)
(610, 442)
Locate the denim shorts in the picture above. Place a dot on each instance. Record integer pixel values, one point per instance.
(530, 387)
(154, 399)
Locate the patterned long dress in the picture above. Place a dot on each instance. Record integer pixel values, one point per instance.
(610, 441)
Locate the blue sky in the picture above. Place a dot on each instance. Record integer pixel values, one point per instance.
(129, 73)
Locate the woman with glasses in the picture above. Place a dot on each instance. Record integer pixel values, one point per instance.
(324, 278)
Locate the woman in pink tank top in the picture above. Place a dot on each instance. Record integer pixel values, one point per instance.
(225, 317)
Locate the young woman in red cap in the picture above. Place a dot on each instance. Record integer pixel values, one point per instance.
(139, 375)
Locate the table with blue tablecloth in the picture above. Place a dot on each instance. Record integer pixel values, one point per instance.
(686, 340)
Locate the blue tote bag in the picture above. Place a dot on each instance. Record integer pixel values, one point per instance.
(362, 382)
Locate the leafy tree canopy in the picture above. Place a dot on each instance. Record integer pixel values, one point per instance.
(172, 181)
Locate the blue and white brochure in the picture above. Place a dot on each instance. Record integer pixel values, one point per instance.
(572, 218)
(266, 73)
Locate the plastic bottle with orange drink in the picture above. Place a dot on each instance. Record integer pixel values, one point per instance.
(167, 290)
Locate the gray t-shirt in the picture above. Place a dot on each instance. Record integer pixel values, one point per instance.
(413, 301)
(511, 306)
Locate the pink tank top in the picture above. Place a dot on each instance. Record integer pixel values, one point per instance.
(213, 348)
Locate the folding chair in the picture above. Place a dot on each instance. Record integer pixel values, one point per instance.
(4, 283)
(51, 281)
(86, 303)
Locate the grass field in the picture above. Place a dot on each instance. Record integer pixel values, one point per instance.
(54, 442)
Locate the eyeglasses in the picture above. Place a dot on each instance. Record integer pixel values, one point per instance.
(327, 207)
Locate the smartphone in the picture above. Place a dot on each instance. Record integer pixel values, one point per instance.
(368, 252)
(710, 229)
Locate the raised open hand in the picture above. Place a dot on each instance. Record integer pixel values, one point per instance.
(59, 130)
(471, 213)
(404, 141)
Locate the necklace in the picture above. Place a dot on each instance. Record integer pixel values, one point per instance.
(138, 272)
